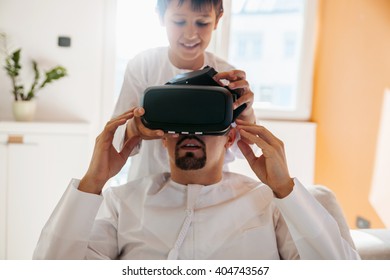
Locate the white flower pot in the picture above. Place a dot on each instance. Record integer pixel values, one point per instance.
(24, 111)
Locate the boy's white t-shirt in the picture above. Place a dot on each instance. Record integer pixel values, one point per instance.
(152, 68)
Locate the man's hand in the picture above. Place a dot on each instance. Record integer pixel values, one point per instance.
(271, 167)
(106, 161)
(135, 127)
(237, 81)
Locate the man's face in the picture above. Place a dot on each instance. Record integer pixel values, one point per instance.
(193, 152)
(189, 33)
(190, 153)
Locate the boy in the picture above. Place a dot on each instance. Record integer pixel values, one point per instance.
(189, 25)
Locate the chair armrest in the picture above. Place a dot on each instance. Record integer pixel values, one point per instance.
(328, 200)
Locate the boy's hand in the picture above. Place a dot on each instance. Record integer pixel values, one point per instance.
(106, 161)
(271, 167)
(237, 81)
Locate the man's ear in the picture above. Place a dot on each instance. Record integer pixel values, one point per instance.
(231, 137)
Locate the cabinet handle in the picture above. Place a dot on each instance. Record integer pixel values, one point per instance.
(15, 139)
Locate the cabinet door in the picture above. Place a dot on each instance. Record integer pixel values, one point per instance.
(39, 171)
(23, 178)
(3, 195)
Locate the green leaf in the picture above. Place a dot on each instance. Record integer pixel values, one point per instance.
(54, 74)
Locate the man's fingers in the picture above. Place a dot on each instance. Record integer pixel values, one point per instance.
(109, 130)
(139, 112)
(129, 146)
(113, 124)
(259, 131)
(147, 133)
(126, 115)
(252, 138)
(247, 152)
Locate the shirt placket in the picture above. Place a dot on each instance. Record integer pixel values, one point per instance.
(192, 197)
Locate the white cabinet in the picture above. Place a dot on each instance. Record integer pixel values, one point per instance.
(3, 201)
(37, 161)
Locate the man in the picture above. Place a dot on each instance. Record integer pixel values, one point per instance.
(196, 211)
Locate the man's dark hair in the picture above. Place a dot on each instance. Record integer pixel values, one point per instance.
(197, 5)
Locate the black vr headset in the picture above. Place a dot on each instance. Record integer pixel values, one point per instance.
(191, 103)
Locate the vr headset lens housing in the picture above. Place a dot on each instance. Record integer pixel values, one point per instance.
(191, 103)
(188, 109)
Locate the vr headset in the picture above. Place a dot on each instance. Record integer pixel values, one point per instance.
(191, 103)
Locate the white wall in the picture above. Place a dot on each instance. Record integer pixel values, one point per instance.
(34, 25)
(380, 191)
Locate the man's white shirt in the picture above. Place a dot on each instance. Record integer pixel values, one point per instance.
(157, 218)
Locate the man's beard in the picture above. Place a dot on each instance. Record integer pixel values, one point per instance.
(189, 161)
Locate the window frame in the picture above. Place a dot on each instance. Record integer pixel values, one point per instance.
(303, 108)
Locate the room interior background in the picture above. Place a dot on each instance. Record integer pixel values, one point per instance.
(351, 72)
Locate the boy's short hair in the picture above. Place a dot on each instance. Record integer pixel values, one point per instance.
(197, 5)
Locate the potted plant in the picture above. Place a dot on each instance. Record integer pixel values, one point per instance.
(24, 105)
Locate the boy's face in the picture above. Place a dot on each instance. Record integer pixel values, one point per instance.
(189, 33)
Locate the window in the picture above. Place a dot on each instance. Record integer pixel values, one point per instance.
(137, 28)
(246, 46)
(290, 45)
(273, 42)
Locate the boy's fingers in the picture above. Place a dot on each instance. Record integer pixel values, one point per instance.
(231, 75)
(243, 85)
(246, 98)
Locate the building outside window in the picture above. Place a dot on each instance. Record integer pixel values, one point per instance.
(266, 38)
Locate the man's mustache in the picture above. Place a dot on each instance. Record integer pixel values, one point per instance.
(189, 137)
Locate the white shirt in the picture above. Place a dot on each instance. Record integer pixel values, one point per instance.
(157, 218)
(151, 68)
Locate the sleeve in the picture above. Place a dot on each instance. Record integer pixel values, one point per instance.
(66, 234)
(315, 233)
(132, 88)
